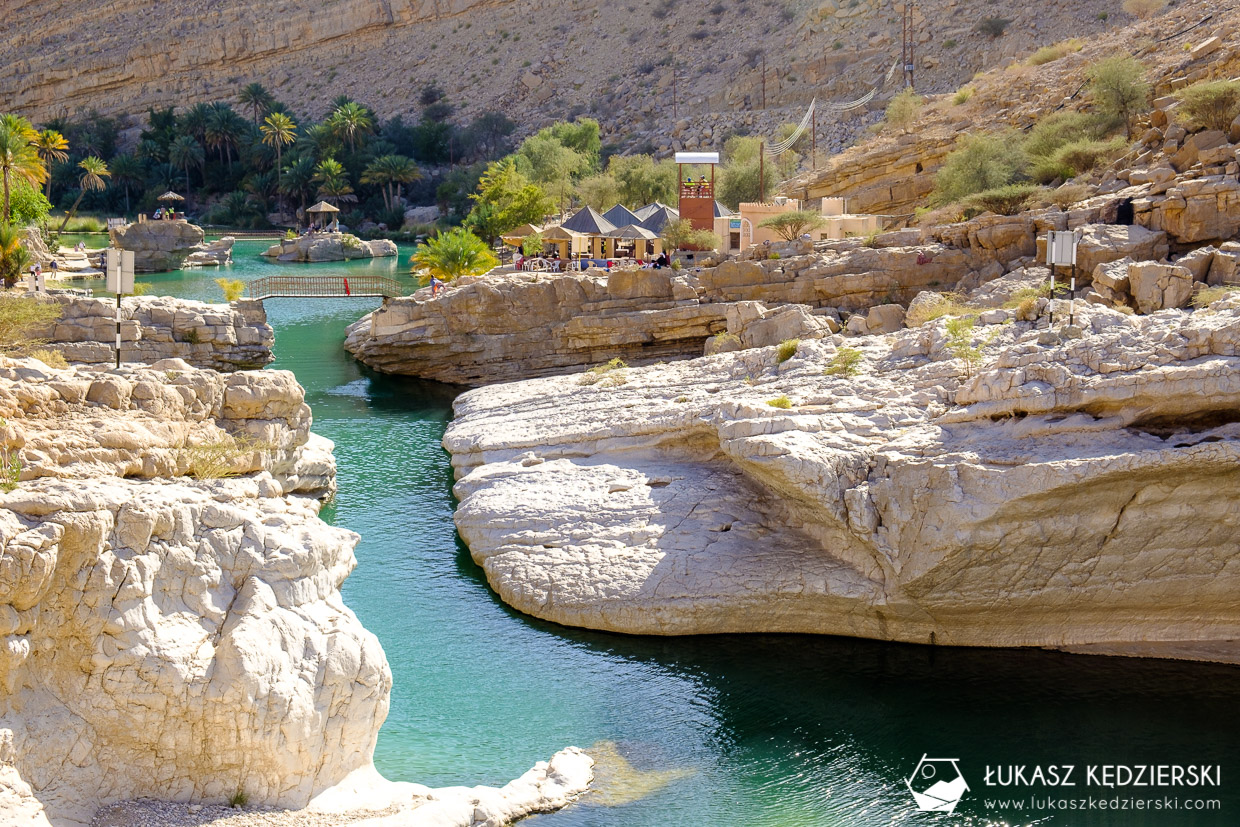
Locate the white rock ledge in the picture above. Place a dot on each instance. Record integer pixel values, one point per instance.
(1074, 491)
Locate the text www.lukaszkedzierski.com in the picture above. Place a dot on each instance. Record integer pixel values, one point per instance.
(1049, 803)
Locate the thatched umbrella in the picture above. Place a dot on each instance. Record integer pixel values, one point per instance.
(323, 210)
(170, 196)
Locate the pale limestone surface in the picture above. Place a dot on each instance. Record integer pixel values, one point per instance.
(159, 246)
(175, 638)
(1080, 489)
(521, 325)
(220, 336)
(329, 247)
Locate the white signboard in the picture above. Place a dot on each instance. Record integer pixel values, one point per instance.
(120, 271)
(1061, 249)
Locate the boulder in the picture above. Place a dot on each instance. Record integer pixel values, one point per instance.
(417, 216)
(885, 318)
(382, 248)
(1110, 242)
(634, 284)
(1225, 266)
(1159, 286)
(1198, 262)
(758, 326)
(158, 246)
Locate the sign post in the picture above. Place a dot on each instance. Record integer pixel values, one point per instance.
(1061, 252)
(120, 282)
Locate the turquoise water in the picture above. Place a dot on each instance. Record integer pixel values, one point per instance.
(774, 730)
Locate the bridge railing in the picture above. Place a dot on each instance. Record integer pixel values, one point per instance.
(323, 287)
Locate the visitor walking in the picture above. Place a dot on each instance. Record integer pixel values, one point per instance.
(436, 286)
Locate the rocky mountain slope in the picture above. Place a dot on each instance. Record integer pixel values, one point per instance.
(536, 61)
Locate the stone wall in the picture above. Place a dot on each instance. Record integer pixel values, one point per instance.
(497, 329)
(223, 337)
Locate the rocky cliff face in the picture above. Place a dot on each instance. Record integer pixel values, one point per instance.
(172, 626)
(1071, 490)
(553, 58)
(217, 336)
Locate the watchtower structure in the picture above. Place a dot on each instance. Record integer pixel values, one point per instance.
(697, 196)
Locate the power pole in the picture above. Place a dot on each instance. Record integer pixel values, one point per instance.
(762, 172)
(907, 55)
(674, 114)
(764, 80)
(813, 141)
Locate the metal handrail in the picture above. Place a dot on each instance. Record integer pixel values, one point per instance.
(323, 287)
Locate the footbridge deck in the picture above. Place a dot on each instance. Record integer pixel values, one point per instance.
(323, 287)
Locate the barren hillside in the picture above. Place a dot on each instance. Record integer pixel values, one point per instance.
(536, 60)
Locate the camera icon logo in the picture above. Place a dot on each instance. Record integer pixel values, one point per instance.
(937, 784)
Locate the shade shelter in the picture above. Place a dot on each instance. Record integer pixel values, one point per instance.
(641, 243)
(589, 222)
(621, 216)
(697, 198)
(517, 236)
(657, 220)
(168, 199)
(650, 209)
(322, 211)
(569, 244)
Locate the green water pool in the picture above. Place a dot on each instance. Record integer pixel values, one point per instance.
(772, 730)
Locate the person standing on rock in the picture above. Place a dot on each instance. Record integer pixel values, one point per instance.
(436, 286)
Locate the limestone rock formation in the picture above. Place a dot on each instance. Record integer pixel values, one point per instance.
(172, 625)
(1064, 490)
(329, 247)
(216, 253)
(158, 246)
(223, 337)
(520, 325)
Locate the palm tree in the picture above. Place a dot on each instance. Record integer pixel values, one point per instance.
(298, 179)
(194, 121)
(94, 170)
(224, 131)
(18, 156)
(458, 253)
(127, 172)
(333, 182)
(278, 132)
(184, 153)
(150, 150)
(390, 172)
(350, 122)
(51, 146)
(256, 96)
(13, 256)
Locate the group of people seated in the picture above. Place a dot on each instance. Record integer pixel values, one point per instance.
(700, 184)
(165, 213)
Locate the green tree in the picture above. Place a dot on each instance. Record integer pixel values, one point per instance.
(978, 163)
(391, 172)
(13, 256)
(27, 204)
(792, 225)
(225, 131)
(512, 200)
(599, 191)
(297, 179)
(1119, 89)
(127, 173)
(278, 131)
(256, 97)
(739, 178)
(350, 123)
(903, 109)
(51, 146)
(333, 181)
(1210, 104)
(449, 255)
(643, 180)
(18, 157)
(183, 153)
(551, 164)
(92, 179)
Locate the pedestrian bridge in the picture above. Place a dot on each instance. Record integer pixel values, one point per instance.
(323, 287)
